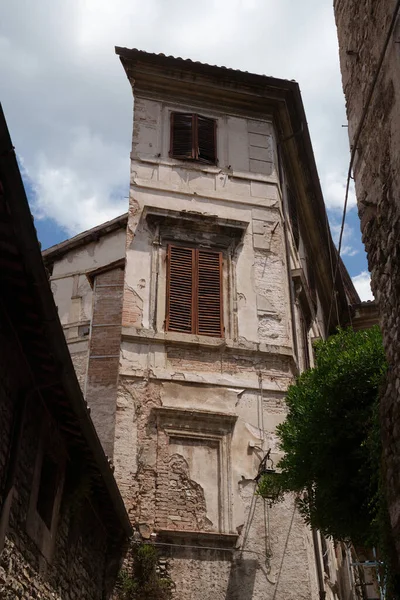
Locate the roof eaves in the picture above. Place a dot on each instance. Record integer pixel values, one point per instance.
(29, 249)
(90, 235)
(163, 60)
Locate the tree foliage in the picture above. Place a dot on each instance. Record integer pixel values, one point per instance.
(331, 437)
(142, 579)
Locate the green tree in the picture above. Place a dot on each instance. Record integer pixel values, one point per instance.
(141, 578)
(331, 438)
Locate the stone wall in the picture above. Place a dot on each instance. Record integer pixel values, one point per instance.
(67, 559)
(362, 29)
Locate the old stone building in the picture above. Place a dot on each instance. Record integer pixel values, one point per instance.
(63, 524)
(188, 318)
(369, 43)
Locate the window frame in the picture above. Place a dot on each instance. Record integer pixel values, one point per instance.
(50, 445)
(195, 154)
(195, 324)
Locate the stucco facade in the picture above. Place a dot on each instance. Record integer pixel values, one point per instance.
(187, 418)
(363, 28)
(196, 414)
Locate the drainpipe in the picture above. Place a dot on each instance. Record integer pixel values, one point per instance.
(321, 586)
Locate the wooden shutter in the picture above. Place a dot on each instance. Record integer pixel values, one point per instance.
(182, 134)
(194, 291)
(180, 289)
(206, 140)
(209, 293)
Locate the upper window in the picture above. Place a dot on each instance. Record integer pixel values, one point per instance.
(194, 291)
(193, 138)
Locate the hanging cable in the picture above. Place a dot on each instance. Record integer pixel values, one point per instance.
(357, 138)
(331, 264)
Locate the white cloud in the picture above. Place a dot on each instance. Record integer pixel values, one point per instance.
(362, 283)
(334, 186)
(87, 191)
(69, 105)
(348, 235)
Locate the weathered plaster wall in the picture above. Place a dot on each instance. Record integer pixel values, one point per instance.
(362, 29)
(233, 190)
(73, 293)
(189, 406)
(166, 488)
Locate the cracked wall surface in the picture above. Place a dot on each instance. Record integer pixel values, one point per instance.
(188, 417)
(189, 406)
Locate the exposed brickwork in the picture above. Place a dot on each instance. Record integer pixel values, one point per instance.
(101, 387)
(133, 309)
(136, 447)
(362, 29)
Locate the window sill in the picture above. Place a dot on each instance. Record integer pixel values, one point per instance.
(198, 539)
(165, 337)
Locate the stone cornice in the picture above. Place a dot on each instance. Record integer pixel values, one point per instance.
(242, 346)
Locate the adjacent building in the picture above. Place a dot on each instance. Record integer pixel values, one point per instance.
(63, 524)
(188, 318)
(369, 44)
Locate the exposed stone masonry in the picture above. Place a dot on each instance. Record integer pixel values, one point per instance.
(362, 29)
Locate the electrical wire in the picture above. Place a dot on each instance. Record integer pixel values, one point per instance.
(357, 137)
(331, 264)
(220, 549)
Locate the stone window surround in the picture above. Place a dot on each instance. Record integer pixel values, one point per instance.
(179, 423)
(36, 528)
(226, 236)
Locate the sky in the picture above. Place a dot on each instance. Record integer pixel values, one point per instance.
(68, 102)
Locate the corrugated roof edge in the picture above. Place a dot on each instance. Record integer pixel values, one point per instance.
(83, 238)
(193, 65)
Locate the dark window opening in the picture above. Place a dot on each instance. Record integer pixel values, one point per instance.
(305, 327)
(193, 138)
(83, 330)
(194, 291)
(47, 490)
(312, 285)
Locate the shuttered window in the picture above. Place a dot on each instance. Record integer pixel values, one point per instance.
(194, 291)
(193, 138)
